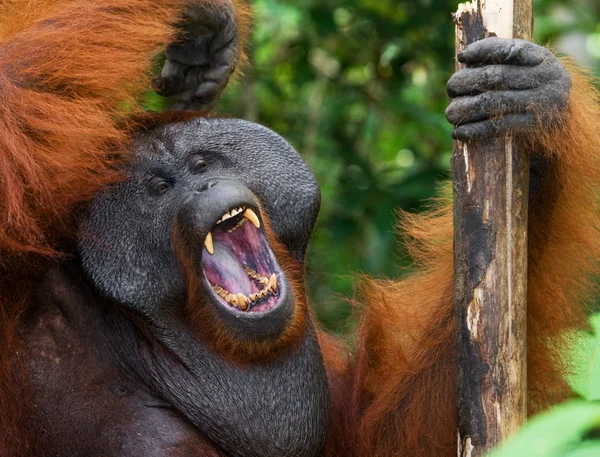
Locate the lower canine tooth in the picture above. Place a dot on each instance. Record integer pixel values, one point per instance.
(252, 217)
(208, 244)
(243, 301)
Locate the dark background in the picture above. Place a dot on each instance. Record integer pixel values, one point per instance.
(358, 87)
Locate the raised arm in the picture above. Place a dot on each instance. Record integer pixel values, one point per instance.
(71, 72)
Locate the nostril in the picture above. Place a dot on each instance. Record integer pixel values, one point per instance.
(207, 185)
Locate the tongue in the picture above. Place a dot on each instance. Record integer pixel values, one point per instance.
(224, 269)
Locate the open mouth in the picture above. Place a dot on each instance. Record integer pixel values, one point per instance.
(239, 264)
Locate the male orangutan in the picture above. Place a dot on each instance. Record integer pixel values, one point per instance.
(152, 279)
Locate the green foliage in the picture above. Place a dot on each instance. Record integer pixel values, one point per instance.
(585, 354)
(358, 87)
(571, 429)
(566, 431)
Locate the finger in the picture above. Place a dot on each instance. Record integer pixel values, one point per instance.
(546, 102)
(186, 97)
(496, 50)
(215, 79)
(507, 125)
(173, 70)
(472, 81)
(226, 56)
(193, 77)
(172, 80)
(206, 90)
(463, 110)
(219, 75)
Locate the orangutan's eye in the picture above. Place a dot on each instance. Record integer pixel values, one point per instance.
(158, 186)
(197, 165)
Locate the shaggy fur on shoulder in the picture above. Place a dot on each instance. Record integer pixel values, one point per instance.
(72, 76)
(402, 396)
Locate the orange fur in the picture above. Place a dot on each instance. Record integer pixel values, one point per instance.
(402, 377)
(68, 118)
(60, 128)
(72, 75)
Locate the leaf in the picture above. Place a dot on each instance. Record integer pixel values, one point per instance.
(555, 433)
(587, 449)
(585, 359)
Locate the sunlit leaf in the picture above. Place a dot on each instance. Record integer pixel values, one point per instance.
(554, 433)
(585, 357)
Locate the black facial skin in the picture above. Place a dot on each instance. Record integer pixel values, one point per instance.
(125, 241)
(184, 177)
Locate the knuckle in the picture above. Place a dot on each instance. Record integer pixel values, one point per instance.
(513, 51)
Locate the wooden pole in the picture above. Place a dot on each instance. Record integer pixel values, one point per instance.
(491, 183)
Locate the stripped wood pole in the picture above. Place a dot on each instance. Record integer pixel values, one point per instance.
(491, 188)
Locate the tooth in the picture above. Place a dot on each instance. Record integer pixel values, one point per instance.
(252, 217)
(239, 224)
(208, 244)
(243, 301)
(249, 271)
(253, 297)
(225, 217)
(272, 285)
(233, 299)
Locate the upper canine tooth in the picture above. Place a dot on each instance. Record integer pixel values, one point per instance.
(272, 283)
(208, 244)
(252, 217)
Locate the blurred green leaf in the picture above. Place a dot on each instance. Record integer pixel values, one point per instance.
(585, 450)
(585, 357)
(358, 87)
(558, 433)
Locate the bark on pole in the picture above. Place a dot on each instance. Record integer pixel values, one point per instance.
(491, 184)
